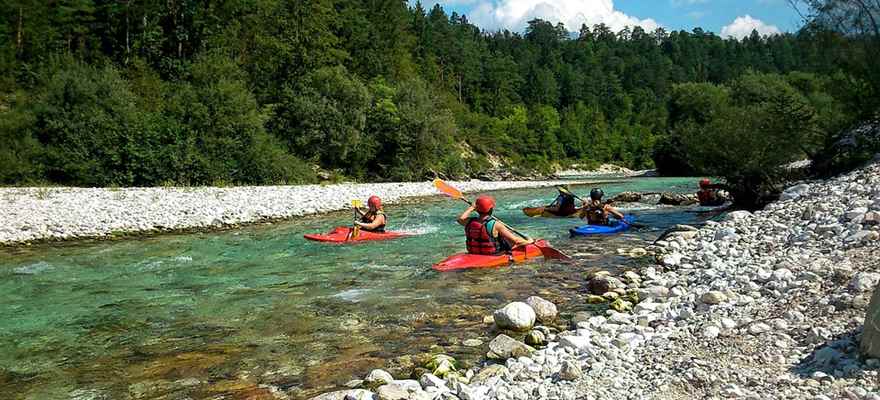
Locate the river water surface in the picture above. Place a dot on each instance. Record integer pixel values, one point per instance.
(242, 313)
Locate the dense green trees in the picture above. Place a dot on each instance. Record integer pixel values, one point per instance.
(144, 92)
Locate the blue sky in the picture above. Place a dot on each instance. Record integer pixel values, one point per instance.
(734, 18)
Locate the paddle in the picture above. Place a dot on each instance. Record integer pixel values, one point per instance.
(565, 190)
(546, 251)
(355, 229)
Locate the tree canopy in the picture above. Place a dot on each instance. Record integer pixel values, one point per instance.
(147, 92)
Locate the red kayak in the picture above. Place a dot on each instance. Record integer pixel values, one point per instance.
(462, 261)
(340, 235)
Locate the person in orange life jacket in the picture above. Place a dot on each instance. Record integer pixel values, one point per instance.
(596, 212)
(563, 206)
(374, 219)
(708, 193)
(485, 234)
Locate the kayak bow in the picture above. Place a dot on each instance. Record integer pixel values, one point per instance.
(618, 226)
(341, 235)
(462, 261)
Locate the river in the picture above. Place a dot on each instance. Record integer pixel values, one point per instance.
(245, 312)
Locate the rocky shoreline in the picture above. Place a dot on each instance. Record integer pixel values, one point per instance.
(760, 306)
(32, 215)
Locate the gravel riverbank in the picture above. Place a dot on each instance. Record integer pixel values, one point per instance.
(47, 214)
(767, 305)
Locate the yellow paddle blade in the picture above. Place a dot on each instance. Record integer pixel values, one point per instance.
(564, 189)
(357, 203)
(444, 188)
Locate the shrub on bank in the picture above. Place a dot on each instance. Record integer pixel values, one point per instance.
(748, 136)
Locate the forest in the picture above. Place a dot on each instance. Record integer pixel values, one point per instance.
(186, 92)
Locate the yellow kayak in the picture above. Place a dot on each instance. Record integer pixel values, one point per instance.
(540, 212)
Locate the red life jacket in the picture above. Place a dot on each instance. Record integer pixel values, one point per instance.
(706, 196)
(480, 240)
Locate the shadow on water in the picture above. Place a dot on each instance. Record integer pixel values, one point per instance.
(242, 313)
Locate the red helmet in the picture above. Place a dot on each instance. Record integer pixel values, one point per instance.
(375, 202)
(484, 204)
(704, 183)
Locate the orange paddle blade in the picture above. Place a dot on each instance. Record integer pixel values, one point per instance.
(444, 188)
(551, 253)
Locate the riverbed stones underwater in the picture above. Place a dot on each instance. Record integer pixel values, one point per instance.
(782, 319)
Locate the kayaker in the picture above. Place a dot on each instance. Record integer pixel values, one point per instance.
(374, 219)
(596, 212)
(563, 206)
(485, 234)
(708, 194)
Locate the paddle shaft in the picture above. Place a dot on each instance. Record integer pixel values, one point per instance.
(524, 236)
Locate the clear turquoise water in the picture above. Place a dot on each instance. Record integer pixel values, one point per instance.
(220, 314)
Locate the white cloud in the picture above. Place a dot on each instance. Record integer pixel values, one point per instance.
(743, 26)
(514, 14)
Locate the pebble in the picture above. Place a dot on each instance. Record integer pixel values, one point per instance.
(713, 297)
(570, 371)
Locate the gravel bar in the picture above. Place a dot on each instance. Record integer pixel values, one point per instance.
(49, 214)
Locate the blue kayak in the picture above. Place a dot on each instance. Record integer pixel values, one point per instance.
(614, 227)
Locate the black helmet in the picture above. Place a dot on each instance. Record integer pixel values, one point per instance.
(596, 194)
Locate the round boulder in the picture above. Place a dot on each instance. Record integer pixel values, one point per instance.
(604, 284)
(545, 311)
(517, 316)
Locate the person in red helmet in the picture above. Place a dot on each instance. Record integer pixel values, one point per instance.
(708, 194)
(374, 219)
(486, 235)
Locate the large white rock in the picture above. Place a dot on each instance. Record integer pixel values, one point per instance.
(356, 394)
(738, 215)
(672, 259)
(864, 281)
(504, 347)
(871, 335)
(378, 377)
(795, 192)
(545, 311)
(579, 343)
(516, 316)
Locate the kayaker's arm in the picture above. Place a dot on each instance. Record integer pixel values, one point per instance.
(466, 216)
(380, 220)
(613, 211)
(359, 212)
(512, 238)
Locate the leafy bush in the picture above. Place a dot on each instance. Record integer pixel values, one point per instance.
(20, 153)
(89, 123)
(765, 125)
